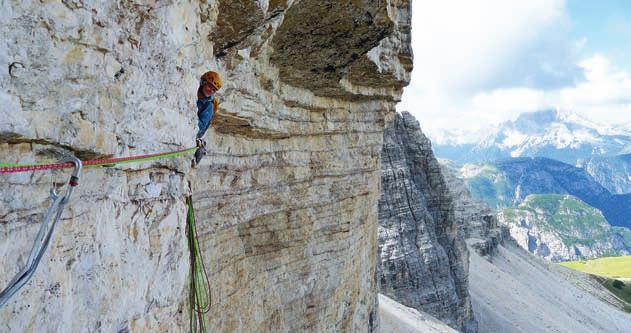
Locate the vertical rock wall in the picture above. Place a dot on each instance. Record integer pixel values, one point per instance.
(286, 199)
(477, 222)
(423, 257)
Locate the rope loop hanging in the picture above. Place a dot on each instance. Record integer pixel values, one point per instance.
(199, 291)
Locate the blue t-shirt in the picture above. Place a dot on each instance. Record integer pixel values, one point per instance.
(205, 109)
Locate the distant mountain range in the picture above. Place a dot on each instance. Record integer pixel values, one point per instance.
(555, 134)
(556, 179)
(613, 172)
(562, 227)
(508, 182)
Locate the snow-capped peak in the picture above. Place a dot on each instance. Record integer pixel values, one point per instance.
(553, 133)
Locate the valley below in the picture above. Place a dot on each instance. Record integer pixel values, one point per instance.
(555, 202)
(517, 292)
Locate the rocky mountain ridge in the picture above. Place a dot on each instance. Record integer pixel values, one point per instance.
(507, 183)
(477, 222)
(612, 172)
(423, 257)
(556, 134)
(509, 287)
(562, 227)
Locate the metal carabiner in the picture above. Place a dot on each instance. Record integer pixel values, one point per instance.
(72, 182)
(44, 235)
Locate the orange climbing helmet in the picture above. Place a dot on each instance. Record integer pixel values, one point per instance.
(211, 78)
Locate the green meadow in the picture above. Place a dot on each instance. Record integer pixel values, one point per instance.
(615, 272)
(611, 267)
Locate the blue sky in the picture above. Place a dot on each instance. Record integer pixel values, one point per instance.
(606, 27)
(480, 62)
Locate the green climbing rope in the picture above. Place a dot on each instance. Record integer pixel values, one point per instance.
(99, 162)
(144, 159)
(199, 290)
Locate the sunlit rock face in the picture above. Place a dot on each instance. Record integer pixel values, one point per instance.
(562, 227)
(423, 256)
(286, 199)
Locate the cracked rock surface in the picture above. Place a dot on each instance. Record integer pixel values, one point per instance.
(286, 199)
(423, 257)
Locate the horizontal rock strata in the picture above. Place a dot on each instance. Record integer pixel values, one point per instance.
(286, 200)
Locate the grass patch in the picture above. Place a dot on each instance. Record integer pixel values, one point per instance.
(611, 267)
(614, 273)
(620, 289)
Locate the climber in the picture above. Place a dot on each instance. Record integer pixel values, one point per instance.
(207, 104)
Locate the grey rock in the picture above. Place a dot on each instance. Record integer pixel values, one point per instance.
(286, 198)
(507, 183)
(562, 227)
(612, 172)
(477, 222)
(518, 292)
(423, 257)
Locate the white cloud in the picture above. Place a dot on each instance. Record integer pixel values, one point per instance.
(501, 104)
(604, 96)
(485, 61)
(604, 85)
(465, 46)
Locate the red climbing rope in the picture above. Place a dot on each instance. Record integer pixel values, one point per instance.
(15, 168)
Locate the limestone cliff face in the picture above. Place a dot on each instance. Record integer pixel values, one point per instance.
(423, 257)
(286, 198)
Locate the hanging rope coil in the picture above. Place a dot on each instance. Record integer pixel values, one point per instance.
(199, 290)
(44, 235)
